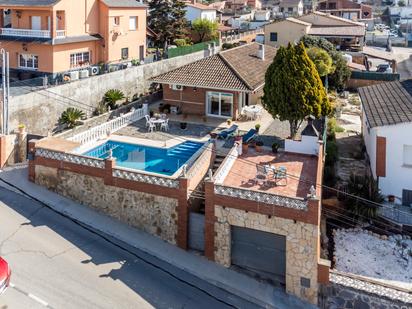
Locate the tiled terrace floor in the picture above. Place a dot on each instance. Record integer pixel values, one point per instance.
(302, 169)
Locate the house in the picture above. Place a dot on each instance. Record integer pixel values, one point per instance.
(289, 8)
(386, 129)
(196, 10)
(262, 15)
(266, 226)
(219, 85)
(240, 5)
(346, 9)
(343, 33)
(52, 36)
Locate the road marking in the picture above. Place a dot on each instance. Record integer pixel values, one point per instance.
(32, 296)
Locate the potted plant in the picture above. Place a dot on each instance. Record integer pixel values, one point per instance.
(275, 147)
(391, 198)
(183, 125)
(21, 128)
(258, 146)
(229, 122)
(257, 127)
(245, 148)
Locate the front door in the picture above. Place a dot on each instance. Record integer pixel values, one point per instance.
(141, 52)
(36, 23)
(219, 104)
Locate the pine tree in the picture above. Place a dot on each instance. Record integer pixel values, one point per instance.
(293, 89)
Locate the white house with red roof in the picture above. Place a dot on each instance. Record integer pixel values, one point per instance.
(196, 10)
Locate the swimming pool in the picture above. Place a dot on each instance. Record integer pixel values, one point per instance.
(164, 161)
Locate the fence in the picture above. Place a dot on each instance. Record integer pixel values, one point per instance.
(111, 126)
(375, 76)
(237, 37)
(185, 50)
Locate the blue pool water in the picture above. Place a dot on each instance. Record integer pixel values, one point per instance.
(164, 161)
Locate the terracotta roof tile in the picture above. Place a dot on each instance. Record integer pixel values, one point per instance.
(338, 31)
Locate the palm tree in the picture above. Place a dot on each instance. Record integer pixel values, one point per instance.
(112, 96)
(71, 116)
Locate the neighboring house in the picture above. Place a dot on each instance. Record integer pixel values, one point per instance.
(199, 11)
(270, 230)
(346, 9)
(343, 33)
(236, 6)
(219, 85)
(288, 8)
(386, 129)
(53, 36)
(262, 15)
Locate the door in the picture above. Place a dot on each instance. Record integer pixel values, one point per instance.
(141, 52)
(36, 23)
(219, 104)
(260, 254)
(407, 197)
(196, 231)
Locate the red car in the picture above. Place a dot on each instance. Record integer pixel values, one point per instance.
(5, 274)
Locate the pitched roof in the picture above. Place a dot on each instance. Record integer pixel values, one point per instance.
(348, 21)
(29, 2)
(201, 6)
(123, 3)
(338, 31)
(235, 69)
(387, 103)
(297, 21)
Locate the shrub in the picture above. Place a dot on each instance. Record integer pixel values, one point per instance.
(331, 153)
(71, 116)
(100, 109)
(112, 96)
(181, 42)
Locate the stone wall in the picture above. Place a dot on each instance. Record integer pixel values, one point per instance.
(301, 245)
(348, 293)
(156, 215)
(40, 110)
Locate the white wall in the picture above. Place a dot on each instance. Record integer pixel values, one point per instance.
(308, 145)
(193, 13)
(369, 138)
(210, 15)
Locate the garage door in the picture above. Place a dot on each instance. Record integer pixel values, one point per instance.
(260, 254)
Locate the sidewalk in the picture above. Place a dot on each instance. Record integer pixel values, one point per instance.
(238, 284)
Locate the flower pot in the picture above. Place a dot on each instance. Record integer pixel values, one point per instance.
(213, 135)
(245, 148)
(258, 148)
(238, 138)
(183, 125)
(391, 198)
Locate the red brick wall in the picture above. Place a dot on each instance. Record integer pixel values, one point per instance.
(193, 100)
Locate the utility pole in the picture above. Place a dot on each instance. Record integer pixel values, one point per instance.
(5, 89)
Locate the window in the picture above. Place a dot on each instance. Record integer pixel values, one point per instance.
(79, 59)
(220, 104)
(273, 36)
(29, 61)
(407, 155)
(125, 53)
(133, 23)
(116, 21)
(290, 10)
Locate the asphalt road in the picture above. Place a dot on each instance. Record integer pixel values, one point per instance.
(58, 264)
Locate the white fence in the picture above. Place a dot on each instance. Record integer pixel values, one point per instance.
(107, 128)
(26, 33)
(226, 165)
(237, 37)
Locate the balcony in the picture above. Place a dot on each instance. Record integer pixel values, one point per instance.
(28, 33)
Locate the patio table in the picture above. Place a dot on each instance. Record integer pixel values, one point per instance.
(157, 121)
(252, 111)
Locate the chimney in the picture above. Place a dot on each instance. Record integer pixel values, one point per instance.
(261, 52)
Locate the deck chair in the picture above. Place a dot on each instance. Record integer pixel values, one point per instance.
(226, 133)
(261, 174)
(281, 173)
(249, 136)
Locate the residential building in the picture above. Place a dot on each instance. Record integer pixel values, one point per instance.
(240, 5)
(196, 10)
(346, 9)
(219, 85)
(289, 8)
(343, 33)
(386, 130)
(52, 36)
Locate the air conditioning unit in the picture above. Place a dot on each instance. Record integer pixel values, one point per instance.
(84, 74)
(74, 75)
(177, 87)
(94, 70)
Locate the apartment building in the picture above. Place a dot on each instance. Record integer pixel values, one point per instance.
(55, 36)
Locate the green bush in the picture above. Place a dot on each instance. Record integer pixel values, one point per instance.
(331, 153)
(181, 42)
(112, 96)
(71, 116)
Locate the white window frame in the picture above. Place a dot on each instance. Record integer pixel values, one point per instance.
(34, 61)
(77, 58)
(131, 18)
(407, 155)
(220, 104)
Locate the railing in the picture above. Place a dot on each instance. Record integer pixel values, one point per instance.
(26, 33)
(226, 165)
(399, 214)
(69, 157)
(262, 197)
(60, 33)
(375, 76)
(107, 128)
(185, 50)
(237, 37)
(143, 177)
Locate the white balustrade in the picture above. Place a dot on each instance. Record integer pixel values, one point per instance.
(26, 33)
(60, 33)
(107, 128)
(226, 165)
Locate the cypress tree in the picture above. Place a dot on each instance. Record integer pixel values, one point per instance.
(293, 89)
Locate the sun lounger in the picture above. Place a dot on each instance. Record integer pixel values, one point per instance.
(226, 133)
(249, 136)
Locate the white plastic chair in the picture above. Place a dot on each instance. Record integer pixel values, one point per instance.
(165, 125)
(152, 126)
(147, 120)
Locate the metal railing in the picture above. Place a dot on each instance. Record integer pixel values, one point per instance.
(237, 37)
(107, 128)
(26, 33)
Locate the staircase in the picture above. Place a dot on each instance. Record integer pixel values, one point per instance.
(218, 161)
(184, 151)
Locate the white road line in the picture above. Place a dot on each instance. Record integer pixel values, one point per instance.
(34, 297)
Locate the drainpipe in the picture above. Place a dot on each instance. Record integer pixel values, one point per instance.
(85, 15)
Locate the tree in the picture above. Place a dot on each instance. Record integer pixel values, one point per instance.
(167, 18)
(293, 89)
(71, 116)
(322, 61)
(205, 29)
(112, 96)
(401, 3)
